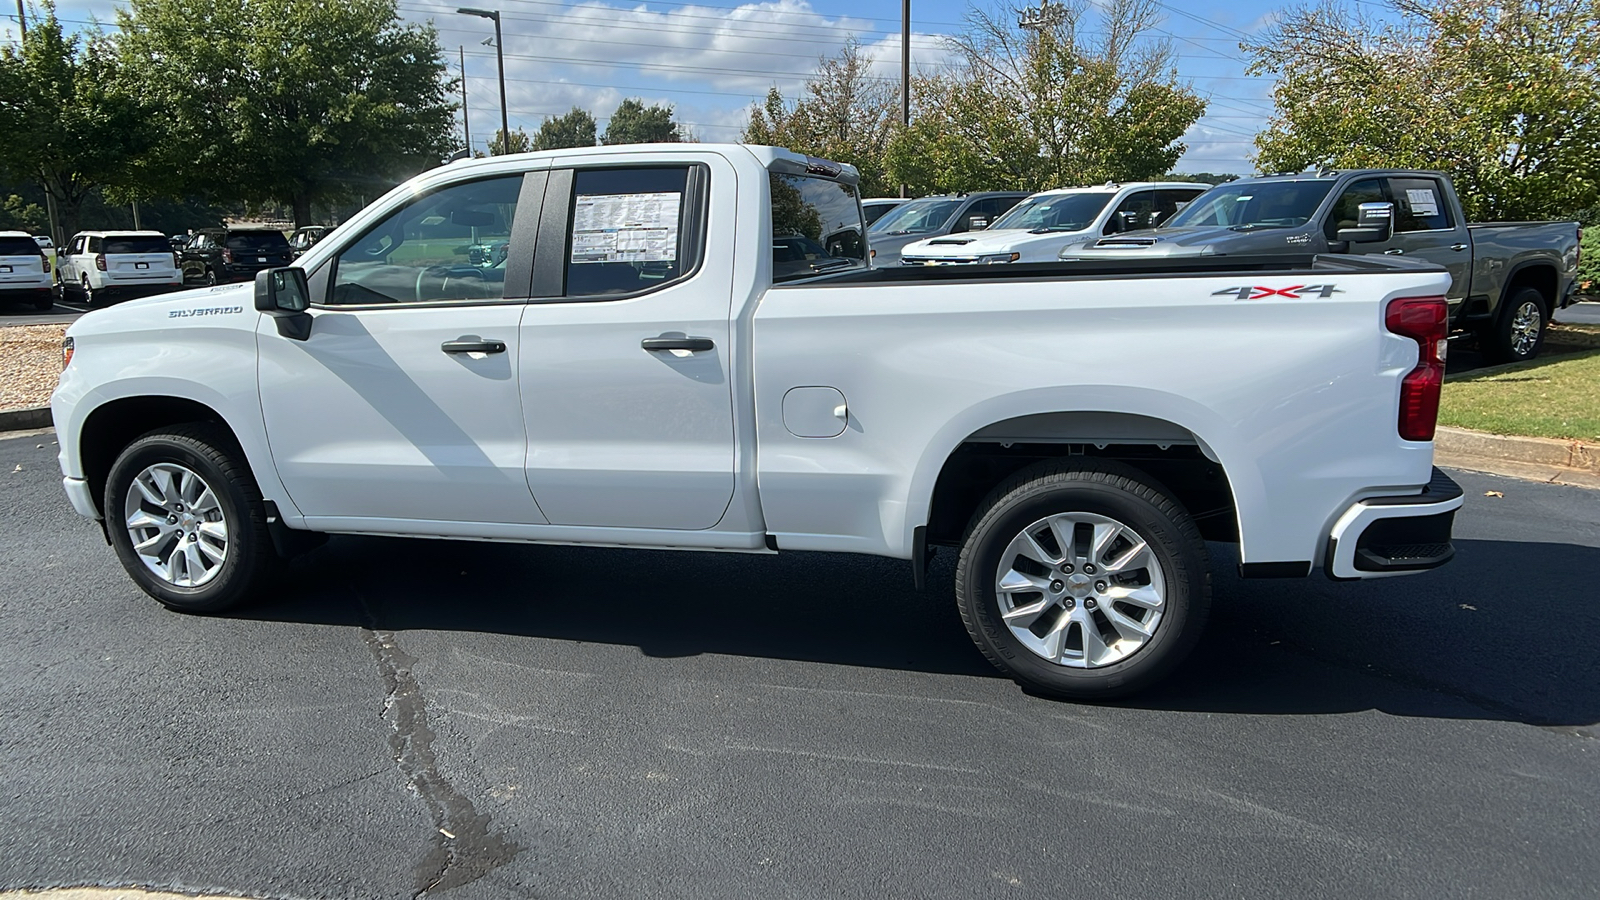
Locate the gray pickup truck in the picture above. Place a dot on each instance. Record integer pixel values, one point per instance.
(1507, 277)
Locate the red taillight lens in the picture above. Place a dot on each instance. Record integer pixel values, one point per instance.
(227, 255)
(46, 260)
(100, 261)
(174, 260)
(1425, 320)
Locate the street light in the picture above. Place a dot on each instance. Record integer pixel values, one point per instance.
(500, 57)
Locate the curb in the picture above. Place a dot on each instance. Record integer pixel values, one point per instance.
(1536, 459)
(25, 419)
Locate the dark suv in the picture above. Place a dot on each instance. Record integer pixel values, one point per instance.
(305, 238)
(217, 256)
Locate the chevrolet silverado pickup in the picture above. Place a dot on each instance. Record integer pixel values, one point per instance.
(1506, 277)
(643, 368)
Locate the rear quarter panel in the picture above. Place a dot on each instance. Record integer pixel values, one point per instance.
(1296, 396)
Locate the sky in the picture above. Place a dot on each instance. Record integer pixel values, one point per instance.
(711, 60)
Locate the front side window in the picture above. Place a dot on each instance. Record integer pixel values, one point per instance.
(1419, 205)
(450, 244)
(816, 226)
(917, 217)
(1347, 209)
(629, 230)
(1248, 205)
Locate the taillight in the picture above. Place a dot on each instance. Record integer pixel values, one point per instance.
(66, 352)
(46, 261)
(1426, 321)
(174, 260)
(227, 255)
(100, 261)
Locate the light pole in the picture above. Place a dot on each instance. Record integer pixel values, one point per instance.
(500, 57)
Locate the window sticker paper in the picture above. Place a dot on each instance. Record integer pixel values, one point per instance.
(626, 227)
(1423, 202)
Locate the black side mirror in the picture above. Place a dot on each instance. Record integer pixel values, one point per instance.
(284, 295)
(1374, 223)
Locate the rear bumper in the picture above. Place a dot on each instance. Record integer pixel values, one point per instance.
(1384, 536)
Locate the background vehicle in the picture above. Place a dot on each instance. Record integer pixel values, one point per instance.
(179, 241)
(303, 238)
(1507, 277)
(218, 256)
(928, 217)
(25, 271)
(1036, 229)
(873, 209)
(103, 266)
(646, 373)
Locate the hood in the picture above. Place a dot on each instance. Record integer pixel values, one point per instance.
(223, 304)
(889, 245)
(978, 243)
(1197, 240)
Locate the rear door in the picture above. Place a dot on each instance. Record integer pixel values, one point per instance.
(625, 345)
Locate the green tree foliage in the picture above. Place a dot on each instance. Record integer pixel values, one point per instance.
(635, 123)
(1504, 95)
(576, 128)
(295, 101)
(71, 122)
(844, 114)
(17, 214)
(1091, 95)
(519, 143)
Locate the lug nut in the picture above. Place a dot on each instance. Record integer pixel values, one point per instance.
(193, 537)
(172, 520)
(178, 507)
(1100, 586)
(1066, 569)
(1088, 569)
(1056, 586)
(1069, 603)
(1089, 603)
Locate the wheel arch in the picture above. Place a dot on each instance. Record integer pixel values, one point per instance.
(1538, 274)
(1178, 444)
(113, 425)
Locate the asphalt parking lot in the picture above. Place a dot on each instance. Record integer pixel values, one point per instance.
(496, 721)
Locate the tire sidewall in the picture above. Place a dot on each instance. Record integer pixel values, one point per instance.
(1179, 561)
(227, 586)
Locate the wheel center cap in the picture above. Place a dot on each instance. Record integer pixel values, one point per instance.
(1078, 585)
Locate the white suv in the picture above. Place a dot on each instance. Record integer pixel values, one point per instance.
(1036, 229)
(25, 271)
(101, 265)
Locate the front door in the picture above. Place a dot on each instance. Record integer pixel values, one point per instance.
(405, 401)
(624, 362)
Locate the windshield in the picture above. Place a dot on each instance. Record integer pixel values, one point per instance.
(816, 227)
(137, 245)
(1247, 205)
(257, 240)
(917, 217)
(1055, 212)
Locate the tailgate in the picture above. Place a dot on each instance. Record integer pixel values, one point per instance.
(141, 265)
(21, 268)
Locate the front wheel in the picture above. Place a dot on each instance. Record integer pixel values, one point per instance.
(1082, 580)
(187, 519)
(1518, 332)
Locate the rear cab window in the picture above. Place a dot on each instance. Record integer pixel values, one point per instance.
(19, 246)
(816, 226)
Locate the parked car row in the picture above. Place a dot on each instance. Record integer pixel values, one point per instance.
(98, 267)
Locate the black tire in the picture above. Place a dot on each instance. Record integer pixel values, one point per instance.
(211, 277)
(1098, 488)
(88, 291)
(211, 453)
(1507, 339)
(46, 303)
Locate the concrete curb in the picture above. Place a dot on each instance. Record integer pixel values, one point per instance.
(25, 419)
(1536, 459)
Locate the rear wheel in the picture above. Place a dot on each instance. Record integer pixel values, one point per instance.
(211, 276)
(1518, 332)
(89, 297)
(187, 519)
(1083, 580)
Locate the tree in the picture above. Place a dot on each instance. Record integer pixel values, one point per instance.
(296, 101)
(1504, 95)
(574, 129)
(844, 114)
(1084, 95)
(71, 123)
(635, 123)
(518, 143)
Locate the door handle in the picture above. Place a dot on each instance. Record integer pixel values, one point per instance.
(1395, 252)
(1458, 247)
(691, 344)
(473, 345)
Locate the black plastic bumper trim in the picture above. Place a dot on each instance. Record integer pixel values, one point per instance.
(1297, 569)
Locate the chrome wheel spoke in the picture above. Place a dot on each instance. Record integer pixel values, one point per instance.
(150, 545)
(1130, 560)
(1055, 640)
(1104, 534)
(1023, 616)
(1094, 646)
(1141, 596)
(1127, 628)
(143, 519)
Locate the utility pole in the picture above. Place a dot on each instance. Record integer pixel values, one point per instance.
(22, 22)
(1047, 15)
(466, 129)
(905, 69)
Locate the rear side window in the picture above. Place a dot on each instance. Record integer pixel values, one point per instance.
(630, 230)
(137, 245)
(1419, 205)
(816, 226)
(19, 246)
(257, 240)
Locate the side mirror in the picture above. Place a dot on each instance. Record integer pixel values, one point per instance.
(283, 294)
(1374, 223)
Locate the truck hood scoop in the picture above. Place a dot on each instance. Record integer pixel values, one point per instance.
(1126, 242)
(951, 242)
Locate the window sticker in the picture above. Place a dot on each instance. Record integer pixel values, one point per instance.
(626, 227)
(1423, 202)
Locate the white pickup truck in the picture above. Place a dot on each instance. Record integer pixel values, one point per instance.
(647, 367)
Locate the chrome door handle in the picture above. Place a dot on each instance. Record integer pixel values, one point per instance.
(1395, 252)
(1458, 247)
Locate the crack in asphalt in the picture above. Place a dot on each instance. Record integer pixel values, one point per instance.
(463, 847)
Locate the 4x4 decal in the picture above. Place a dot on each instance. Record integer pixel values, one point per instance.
(1259, 292)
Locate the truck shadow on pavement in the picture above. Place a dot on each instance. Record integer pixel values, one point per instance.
(1508, 631)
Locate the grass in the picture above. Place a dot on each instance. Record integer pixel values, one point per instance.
(1555, 396)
